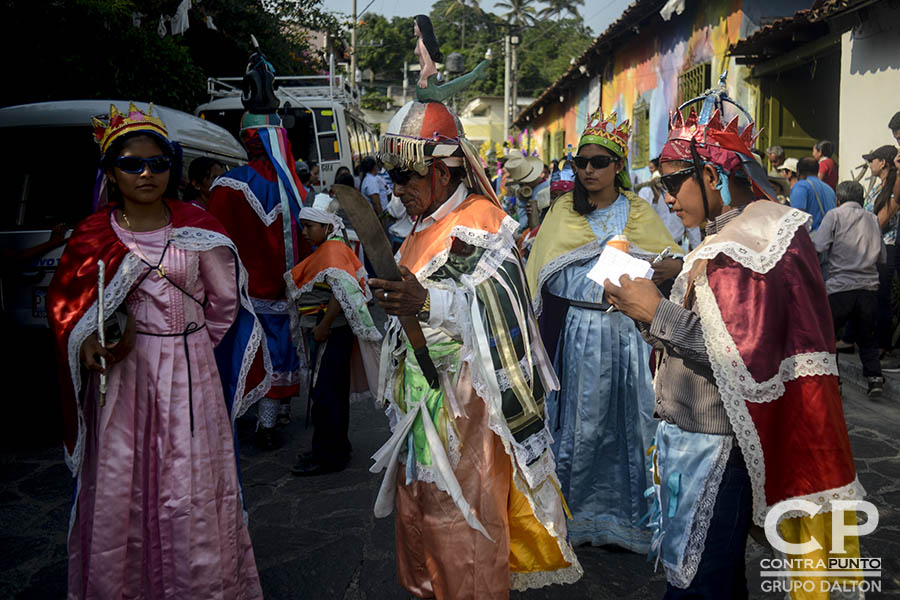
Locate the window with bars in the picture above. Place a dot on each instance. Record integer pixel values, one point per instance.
(640, 135)
(692, 83)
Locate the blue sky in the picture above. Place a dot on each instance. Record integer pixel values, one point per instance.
(598, 14)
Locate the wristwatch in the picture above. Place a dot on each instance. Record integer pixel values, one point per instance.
(425, 312)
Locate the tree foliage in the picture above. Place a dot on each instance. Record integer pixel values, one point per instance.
(518, 12)
(383, 45)
(544, 53)
(92, 48)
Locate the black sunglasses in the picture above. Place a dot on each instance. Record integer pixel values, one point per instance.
(673, 181)
(600, 161)
(135, 165)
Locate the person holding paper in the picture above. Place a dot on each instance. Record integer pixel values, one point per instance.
(746, 388)
(602, 416)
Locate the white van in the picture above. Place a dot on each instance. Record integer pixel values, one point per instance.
(50, 165)
(321, 115)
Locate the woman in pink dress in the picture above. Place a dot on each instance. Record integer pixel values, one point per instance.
(158, 510)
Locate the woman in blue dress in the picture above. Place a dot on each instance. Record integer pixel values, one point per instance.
(602, 416)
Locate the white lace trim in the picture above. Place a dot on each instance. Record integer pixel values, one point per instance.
(538, 579)
(728, 367)
(499, 246)
(115, 291)
(782, 234)
(588, 250)
(336, 276)
(252, 200)
(682, 575)
(532, 480)
(429, 474)
(734, 373)
(263, 306)
(503, 378)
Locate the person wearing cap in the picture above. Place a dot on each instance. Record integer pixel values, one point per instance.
(469, 464)
(788, 170)
(881, 202)
(524, 175)
(258, 204)
(602, 416)
(328, 289)
(747, 386)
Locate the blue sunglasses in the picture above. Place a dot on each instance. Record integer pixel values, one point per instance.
(136, 165)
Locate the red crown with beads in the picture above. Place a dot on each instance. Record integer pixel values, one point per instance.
(712, 133)
(109, 127)
(606, 128)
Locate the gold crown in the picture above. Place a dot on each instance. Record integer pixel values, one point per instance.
(118, 123)
(606, 129)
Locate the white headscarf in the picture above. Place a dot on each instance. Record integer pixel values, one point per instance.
(323, 211)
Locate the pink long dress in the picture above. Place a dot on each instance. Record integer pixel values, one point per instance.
(159, 513)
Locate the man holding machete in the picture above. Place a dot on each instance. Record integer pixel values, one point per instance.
(475, 441)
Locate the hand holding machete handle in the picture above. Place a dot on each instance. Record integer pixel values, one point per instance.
(371, 234)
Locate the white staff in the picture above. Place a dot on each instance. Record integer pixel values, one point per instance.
(101, 329)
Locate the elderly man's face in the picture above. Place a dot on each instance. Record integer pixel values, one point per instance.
(775, 160)
(422, 194)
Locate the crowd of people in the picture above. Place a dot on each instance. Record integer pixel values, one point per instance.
(532, 409)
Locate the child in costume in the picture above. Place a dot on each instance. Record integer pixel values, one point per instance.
(329, 290)
(746, 388)
(157, 509)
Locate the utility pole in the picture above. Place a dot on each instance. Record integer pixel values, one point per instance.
(514, 83)
(506, 90)
(353, 51)
(405, 82)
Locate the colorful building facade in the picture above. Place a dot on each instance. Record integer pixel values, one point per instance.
(644, 65)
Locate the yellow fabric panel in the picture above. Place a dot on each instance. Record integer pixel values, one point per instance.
(645, 229)
(564, 230)
(531, 548)
(801, 529)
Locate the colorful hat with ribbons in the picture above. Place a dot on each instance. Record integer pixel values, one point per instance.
(422, 132)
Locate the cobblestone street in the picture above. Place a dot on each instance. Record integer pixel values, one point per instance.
(316, 538)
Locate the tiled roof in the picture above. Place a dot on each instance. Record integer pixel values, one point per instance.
(784, 34)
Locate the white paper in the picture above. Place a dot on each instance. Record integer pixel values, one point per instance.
(613, 263)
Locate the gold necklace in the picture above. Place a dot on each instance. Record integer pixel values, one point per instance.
(160, 270)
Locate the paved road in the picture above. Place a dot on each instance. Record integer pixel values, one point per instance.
(316, 538)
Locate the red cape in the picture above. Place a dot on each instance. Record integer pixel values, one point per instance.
(261, 246)
(768, 329)
(73, 290)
